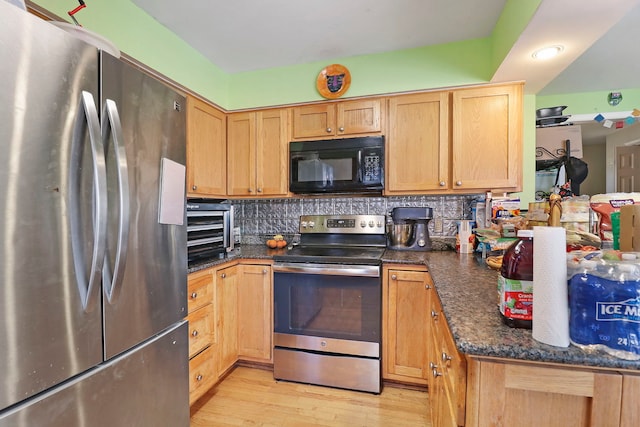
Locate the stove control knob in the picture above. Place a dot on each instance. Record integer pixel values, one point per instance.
(303, 224)
(379, 224)
(363, 224)
(421, 243)
(312, 224)
(372, 224)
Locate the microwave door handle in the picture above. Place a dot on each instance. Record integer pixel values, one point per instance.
(87, 120)
(359, 167)
(111, 126)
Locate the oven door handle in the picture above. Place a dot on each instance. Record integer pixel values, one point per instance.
(328, 269)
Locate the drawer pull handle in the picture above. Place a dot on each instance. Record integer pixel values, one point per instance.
(432, 365)
(199, 377)
(427, 286)
(458, 183)
(194, 333)
(394, 277)
(264, 271)
(435, 373)
(194, 187)
(329, 130)
(442, 183)
(434, 314)
(446, 357)
(223, 275)
(194, 295)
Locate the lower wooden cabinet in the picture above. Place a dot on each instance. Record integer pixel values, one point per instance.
(201, 333)
(527, 394)
(630, 414)
(406, 293)
(226, 304)
(447, 382)
(229, 319)
(202, 375)
(255, 296)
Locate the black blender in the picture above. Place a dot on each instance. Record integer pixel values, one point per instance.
(408, 229)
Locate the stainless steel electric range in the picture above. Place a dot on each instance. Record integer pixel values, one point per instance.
(327, 303)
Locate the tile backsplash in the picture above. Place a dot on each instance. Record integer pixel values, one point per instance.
(265, 217)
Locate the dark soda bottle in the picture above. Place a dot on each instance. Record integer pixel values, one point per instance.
(515, 283)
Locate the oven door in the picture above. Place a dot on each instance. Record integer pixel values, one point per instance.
(334, 301)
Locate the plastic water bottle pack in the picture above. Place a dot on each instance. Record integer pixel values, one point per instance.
(604, 302)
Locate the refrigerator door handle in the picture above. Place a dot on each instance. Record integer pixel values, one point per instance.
(111, 126)
(87, 120)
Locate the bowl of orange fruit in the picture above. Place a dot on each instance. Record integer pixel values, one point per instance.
(277, 242)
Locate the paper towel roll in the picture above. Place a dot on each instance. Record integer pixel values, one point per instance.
(550, 323)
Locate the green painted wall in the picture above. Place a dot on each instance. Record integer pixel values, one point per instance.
(140, 36)
(514, 19)
(591, 102)
(453, 64)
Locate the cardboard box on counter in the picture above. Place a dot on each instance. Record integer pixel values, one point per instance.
(630, 228)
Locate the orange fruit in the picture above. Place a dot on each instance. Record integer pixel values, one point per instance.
(272, 243)
(281, 243)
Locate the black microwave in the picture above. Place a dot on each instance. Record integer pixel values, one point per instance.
(351, 165)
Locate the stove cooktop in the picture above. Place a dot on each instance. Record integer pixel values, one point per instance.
(332, 255)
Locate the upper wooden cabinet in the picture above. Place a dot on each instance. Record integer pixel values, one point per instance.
(257, 146)
(487, 138)
(338, 119)
(206, 150)
(418, 143)
(465, 140)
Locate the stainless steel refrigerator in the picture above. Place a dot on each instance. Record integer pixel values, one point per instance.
(92, 236)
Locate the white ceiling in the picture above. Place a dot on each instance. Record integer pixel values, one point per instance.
(600, 37)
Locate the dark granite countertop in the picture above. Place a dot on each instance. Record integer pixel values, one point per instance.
(468, 293)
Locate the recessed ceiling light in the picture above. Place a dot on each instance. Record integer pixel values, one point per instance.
(547, 52)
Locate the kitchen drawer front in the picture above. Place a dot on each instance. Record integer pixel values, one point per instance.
(200, 329)
(201, 374)
(200, 290)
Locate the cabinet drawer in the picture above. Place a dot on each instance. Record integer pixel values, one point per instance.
(200, 290)
(201, 374)
(200, 329)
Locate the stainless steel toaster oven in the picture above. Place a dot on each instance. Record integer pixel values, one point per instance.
(209, 230)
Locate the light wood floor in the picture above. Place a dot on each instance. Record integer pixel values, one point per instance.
(251, 397)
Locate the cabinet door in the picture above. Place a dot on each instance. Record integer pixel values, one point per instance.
(241, 146)
(314, 121)
(200, 329)
(406, 326)
(630, 406)
(226, 318)
(453, 365)
(202, 374)
(200, 286)
(487, 138)
(417, 146)
(206, 149)
(254, 312)
(529, 395)
(359, 117)
(272, 154)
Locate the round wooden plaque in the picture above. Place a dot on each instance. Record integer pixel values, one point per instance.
(333, 81)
